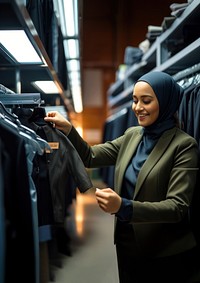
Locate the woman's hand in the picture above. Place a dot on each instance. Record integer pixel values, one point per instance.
(58, 121)
(108, 200)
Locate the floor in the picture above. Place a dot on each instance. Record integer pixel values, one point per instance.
(93, 256)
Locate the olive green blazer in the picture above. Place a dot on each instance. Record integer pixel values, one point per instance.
(163, 191)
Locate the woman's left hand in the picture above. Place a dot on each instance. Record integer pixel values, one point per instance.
(108, 200)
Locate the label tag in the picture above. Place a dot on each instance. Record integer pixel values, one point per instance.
(54, 145)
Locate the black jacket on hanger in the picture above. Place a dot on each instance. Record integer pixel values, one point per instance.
(63, 161)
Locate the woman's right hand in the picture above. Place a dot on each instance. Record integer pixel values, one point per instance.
(58, 121)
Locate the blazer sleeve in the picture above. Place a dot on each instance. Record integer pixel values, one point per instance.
(100, 155)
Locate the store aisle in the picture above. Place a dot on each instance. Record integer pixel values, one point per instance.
(93, 252)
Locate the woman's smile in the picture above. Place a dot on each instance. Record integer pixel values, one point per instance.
(145, 104)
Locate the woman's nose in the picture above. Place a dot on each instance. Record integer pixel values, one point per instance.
(138, 106)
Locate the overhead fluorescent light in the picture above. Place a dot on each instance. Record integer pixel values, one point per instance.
(68, 14)
(74, 77)
(77, 98)
(70, 10)
(71, 48)
(73, 65)
(46, 86)
(19, 46)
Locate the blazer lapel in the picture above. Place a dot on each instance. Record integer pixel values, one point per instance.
(127, 153)
(153, 158)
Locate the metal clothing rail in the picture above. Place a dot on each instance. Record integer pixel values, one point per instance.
(187, 72)
(20, 99)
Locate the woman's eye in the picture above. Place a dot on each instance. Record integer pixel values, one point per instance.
(146, 101)
(143, 101)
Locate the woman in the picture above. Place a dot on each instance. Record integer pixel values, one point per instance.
(155, 171)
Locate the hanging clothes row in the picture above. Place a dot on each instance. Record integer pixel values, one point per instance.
(50, 169)
(189, 117)
(20, 232)
(189, 110)
(44, 18)
(56, 175)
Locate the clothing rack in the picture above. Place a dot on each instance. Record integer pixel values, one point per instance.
(187, 72)
(20, 99)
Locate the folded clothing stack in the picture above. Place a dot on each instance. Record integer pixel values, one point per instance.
(153, 32)
(178, 8)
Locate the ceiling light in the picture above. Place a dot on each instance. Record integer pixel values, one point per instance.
(74, 76)
(71, 17)
(68, 14)
(73, 65)
(77, 98)
(71, 48)
(19, 46)
(46, 86)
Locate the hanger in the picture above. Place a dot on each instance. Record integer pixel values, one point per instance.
(26, 132)
(11, 116)
(8, 121)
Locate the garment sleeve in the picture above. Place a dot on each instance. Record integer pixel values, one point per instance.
(125, 211)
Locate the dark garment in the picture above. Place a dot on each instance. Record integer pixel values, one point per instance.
(183, 268)
(18, 208)
(189, 115)
(132, 55)
(40, 177)
(35, 10)
(41, 14)
(46, 24)
(62, 163)
(2, 217)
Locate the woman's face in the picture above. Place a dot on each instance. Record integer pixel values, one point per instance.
(145, 104)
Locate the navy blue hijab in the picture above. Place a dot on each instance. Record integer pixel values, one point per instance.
(169, 95)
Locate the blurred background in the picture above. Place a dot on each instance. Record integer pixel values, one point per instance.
(82, 58)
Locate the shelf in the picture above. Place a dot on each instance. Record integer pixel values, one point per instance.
(14, 15)
(137, 70)
(121, 98)
(182, 60)
(132, 74)
(184, 30)
(116, 88)
(176, 49)
(189, 16)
